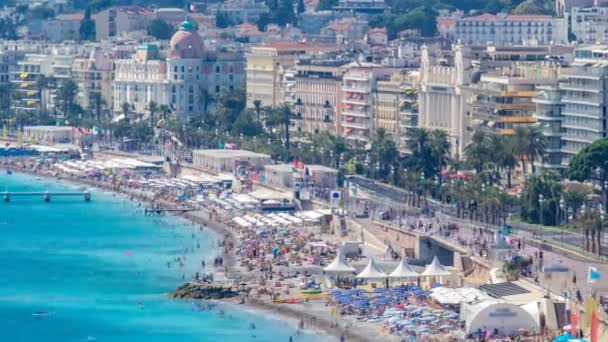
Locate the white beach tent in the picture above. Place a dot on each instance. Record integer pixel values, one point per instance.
(371, 271)
(435, 269)
(339, 265)
(403, 270)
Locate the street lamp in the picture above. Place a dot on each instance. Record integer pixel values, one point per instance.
(562, 203)
(541, 200)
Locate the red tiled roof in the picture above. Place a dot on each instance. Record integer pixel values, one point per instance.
(447, 22)
(379, 30)
(298, 46)
(485, 16)
(336, 26)
(528, 17)
(72, 16)
(489, 17)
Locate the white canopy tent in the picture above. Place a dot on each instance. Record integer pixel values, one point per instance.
(506, 318)
(371, 271)
(404, 270)
(435, 269)
(455, 296)
(339, 265)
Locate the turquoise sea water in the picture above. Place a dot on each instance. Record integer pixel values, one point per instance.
(99, 270)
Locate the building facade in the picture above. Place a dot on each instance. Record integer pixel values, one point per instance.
(318, 91)
(503, 100)
(115, 21)
(185, 80)
(266, 66)
(442, 99)
(94, 78)
(359, 84)
(511, 30)
(589, 25)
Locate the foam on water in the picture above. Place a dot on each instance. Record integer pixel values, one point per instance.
(98, 271)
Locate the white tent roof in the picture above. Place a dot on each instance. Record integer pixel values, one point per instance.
(371, 271)
(339, 265)
(446, 295)
(403, 270)
(435, 269)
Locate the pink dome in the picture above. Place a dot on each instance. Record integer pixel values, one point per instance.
(186, 43)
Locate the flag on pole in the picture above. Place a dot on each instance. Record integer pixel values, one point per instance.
(574, 318)
(594, 327)
(298, 164)
(593, 275)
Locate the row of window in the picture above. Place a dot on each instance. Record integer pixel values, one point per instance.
(536, 23)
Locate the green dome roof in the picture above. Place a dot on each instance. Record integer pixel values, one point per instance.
(187, 26)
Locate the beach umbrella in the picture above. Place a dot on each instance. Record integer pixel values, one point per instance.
(427, 319)
(445, 327)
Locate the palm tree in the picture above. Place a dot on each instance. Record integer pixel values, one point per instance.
(439, 148)
(285, 115)
(531, 143)
(206, 99)
(165, 111)
(476, 152)
(257, 107)
(126, 108)
(574, 197)
(417, 140)
(153, 108)
(508, 157)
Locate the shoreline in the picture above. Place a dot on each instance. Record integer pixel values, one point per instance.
(318, 323)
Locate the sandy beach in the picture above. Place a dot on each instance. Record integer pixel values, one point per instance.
(312, 316)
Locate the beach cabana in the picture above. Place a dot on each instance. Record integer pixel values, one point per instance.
(403, 271)
(338, 269)
(435, 270)
(372, 274)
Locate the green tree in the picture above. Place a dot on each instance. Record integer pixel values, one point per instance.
(530, 143)
(223, 20)
(301, 7)
(160, 29)
(547, 185)
(6, 91)
(152, 108)
(574, 196)
(257, 107)
(590, 158)
(87, 26)
(65, 95)
(326, 5)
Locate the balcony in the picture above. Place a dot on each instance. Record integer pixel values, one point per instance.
(360, 102)
(356, 125)
(517, 119)
(355, 89)
(354, 113)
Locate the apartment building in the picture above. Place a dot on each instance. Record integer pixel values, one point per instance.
(114, 21)
(442, 97)
(266, 66)
(317, 95)
(589, 25)
(359, 85)
(93, 74)
(502, 100)
(504, 29)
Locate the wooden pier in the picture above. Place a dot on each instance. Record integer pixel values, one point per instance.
(46, 195)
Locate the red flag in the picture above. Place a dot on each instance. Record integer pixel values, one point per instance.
(574, 321)
(595, 327)
(298, 164)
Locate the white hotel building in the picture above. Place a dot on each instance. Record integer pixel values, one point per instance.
(501, 30)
